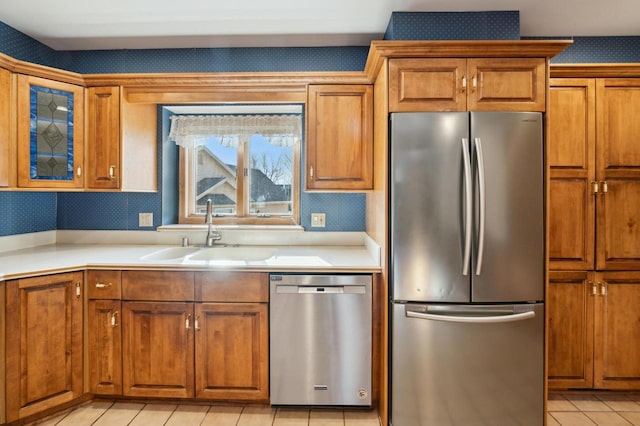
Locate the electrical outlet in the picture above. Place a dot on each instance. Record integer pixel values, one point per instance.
(318, 220)
(145, 219)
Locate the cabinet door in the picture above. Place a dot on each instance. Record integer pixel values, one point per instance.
(44, 334)
(424, 84)
(105, 347)
(618, 171)
(7, 129)
(50, 133)
(103, 138)
(506, 84)
(339, 147)
(617, 331)
(570, 305)
(157, 351)
(571, 119)
(232, 346)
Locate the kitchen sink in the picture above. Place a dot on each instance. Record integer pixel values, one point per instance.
(171, 253)
(222, 253)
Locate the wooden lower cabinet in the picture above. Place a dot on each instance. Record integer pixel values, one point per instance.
(617, 331)
(105, 346)
(570, 310)
(158, 349)
(44, 360)
(594, 330)
(232, 341)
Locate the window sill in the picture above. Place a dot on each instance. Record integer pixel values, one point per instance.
(222, 227)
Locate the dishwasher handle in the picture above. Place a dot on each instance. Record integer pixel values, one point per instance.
(491, 319)
(307, 289)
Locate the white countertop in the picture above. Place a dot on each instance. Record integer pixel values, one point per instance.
(340, 253)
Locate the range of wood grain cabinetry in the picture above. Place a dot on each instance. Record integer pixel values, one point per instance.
(179, 334)
(594, 231)
(153, 334)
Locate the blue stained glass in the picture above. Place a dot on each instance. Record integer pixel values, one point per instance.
(51, 134)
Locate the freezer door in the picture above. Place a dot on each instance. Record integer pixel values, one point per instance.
(508, 258)
(467, 365)
(429, 200)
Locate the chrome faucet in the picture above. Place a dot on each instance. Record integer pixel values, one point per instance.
(212, 235)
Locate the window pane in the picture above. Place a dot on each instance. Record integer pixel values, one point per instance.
(271, 177)
(216, 177)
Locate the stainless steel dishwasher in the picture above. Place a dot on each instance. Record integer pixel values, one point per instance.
(320, 339)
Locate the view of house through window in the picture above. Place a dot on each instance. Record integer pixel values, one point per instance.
(245, 159)
(270, 177)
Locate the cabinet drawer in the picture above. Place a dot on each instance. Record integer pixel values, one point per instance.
(232, 287)
(103, 284)
(157, 285)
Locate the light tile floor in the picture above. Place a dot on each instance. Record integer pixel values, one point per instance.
(107, 413)
(593, 408)
(575, 408)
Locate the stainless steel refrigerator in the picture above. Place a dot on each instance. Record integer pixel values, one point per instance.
(467, 269)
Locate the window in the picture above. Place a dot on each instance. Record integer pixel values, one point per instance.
(245, 159)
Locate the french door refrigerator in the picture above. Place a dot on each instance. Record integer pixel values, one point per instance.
(467, 269)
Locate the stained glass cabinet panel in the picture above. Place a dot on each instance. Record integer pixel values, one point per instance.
(50, 133)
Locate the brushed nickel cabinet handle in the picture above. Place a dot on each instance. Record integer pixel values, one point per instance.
(79, 171)
(603, 289)
(78, 290)
(196, 323)
(594, 288)
(595, 186)
(464, 83)
(114, 319)
(187, 322)
(311, 172)
(103, 285)
(112, 172)
(605, 187)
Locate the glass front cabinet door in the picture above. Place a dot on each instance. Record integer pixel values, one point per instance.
(50, 133)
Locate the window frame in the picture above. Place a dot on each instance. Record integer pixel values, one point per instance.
(187, 184)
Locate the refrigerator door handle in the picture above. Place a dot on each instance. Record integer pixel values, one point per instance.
(468, 204)
(482, 202)
(472, 319)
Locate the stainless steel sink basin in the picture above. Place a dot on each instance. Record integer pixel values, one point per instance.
(221, 253)
(170, 253)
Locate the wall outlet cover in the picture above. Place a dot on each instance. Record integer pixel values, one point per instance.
(318, 220)
(145, 219)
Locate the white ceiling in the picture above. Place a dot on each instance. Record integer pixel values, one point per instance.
(134, 24)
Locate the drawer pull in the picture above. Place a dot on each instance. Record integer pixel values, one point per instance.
(103, 285)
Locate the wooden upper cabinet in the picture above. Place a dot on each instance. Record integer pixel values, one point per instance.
(506, 84)
(44, 363)
(618, 173)
(103, 138)
(617, 331)
(474, 84)
(50, 133)
(7, 129)
(417, 84)
(570, 306)
(339, 148)
(572, 128)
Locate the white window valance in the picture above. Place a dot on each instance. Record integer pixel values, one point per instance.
(190, 131)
